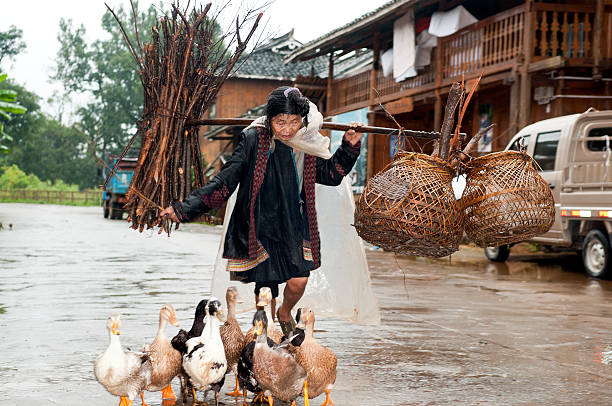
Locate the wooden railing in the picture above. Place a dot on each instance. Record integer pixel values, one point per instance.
(85, 197)
(489, 45)
(563, 30)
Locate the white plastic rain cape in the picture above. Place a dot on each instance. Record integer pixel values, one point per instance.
(341, 286)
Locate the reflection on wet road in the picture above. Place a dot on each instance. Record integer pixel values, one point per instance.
(528, 332)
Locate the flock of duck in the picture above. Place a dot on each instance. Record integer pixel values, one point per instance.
(264, 361)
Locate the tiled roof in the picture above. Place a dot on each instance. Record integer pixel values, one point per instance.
(267, 61)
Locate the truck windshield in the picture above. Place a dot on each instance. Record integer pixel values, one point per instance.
(516, 145)
(545, 150)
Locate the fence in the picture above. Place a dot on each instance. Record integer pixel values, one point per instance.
(85, 198)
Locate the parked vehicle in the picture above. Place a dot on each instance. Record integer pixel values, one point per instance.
(118, 185)
(574, 153)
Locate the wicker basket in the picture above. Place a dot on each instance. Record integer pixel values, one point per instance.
(505, 199)
(410, 208)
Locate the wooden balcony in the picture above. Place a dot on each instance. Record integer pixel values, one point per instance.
(561, 32)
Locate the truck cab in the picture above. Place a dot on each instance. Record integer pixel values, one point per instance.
(574, 156)
(114, 197)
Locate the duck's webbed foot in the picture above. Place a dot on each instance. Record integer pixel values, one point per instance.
(328, 400)
(259, 398)
(236, 392)
(168, 393)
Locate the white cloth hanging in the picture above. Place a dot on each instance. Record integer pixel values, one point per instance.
(404, 50)
(444, 23)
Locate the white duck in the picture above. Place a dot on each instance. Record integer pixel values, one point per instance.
(165, 360)
(205, 361)
(123, 374)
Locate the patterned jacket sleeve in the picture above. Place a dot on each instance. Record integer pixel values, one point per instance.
(218, 190)
(331, 171)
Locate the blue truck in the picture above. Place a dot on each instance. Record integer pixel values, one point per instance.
(113, 198)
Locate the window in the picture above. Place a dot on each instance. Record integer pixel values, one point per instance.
(546, 150)
(599, 145)
(516, 145)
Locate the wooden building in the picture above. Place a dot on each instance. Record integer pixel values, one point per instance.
(247, 89)
(539, 59)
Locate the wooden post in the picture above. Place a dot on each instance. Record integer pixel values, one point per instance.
(372, 115)
(438, 82)
(525, 96)
(597, 34)
(330, 78)
(437, 111)
(514, 108)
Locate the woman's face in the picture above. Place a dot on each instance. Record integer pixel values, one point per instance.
(285, 126)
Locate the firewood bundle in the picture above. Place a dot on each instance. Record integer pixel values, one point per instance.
(181, 69)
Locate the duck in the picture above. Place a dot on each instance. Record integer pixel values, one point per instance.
(179, 343)
(232, 336)
(276, 370)
(246, 379)
(205, 362)
(319, 361)
(166, 361)
(273, 332)
(123, 374)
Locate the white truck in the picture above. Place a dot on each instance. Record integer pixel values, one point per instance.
(574, 153)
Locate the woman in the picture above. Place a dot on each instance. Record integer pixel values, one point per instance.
(272, 236)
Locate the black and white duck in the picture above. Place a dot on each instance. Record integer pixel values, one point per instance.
(205, 362)
(123, 374)
(179, 342)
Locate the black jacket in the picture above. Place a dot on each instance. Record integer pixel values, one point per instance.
(239, 170)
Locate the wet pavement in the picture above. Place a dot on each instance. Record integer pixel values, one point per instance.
(461, 332)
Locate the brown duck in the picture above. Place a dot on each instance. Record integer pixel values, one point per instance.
(319, 361)
(165, 360)
(232, 336)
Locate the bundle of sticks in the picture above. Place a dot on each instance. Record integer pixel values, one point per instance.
(182, 70)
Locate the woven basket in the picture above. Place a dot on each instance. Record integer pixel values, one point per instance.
(410, 208)
(505, 199)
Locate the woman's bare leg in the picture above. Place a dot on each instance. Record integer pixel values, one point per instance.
(293, 292)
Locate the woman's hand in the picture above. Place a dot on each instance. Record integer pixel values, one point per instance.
(351, 136)
(169, 211)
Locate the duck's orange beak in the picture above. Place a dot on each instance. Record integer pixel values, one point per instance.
(173, 320)
(115, 328)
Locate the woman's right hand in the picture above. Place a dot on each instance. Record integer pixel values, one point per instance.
(169, 211)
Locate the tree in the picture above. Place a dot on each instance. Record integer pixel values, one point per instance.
(106, 71)
(42, 146)
(11, 42)
(8, 106)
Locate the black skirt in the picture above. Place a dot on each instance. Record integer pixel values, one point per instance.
(280, 223)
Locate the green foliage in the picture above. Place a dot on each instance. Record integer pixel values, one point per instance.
(105, 70)
(11, 42)
(14, 178)
(46, 148)
(8, 106)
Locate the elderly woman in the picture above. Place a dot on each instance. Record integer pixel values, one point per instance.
(272, 236)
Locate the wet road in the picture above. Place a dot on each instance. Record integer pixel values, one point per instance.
(528, 332)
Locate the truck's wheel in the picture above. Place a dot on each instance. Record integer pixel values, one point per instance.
(498, 254)
(596, 254)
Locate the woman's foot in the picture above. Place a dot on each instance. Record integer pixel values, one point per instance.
(285, 320)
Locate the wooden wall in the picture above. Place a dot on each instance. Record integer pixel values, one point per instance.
(235, 98)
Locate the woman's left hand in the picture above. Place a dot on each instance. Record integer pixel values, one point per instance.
(351, 136)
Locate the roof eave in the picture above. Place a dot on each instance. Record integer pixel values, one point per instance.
(302, 53)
